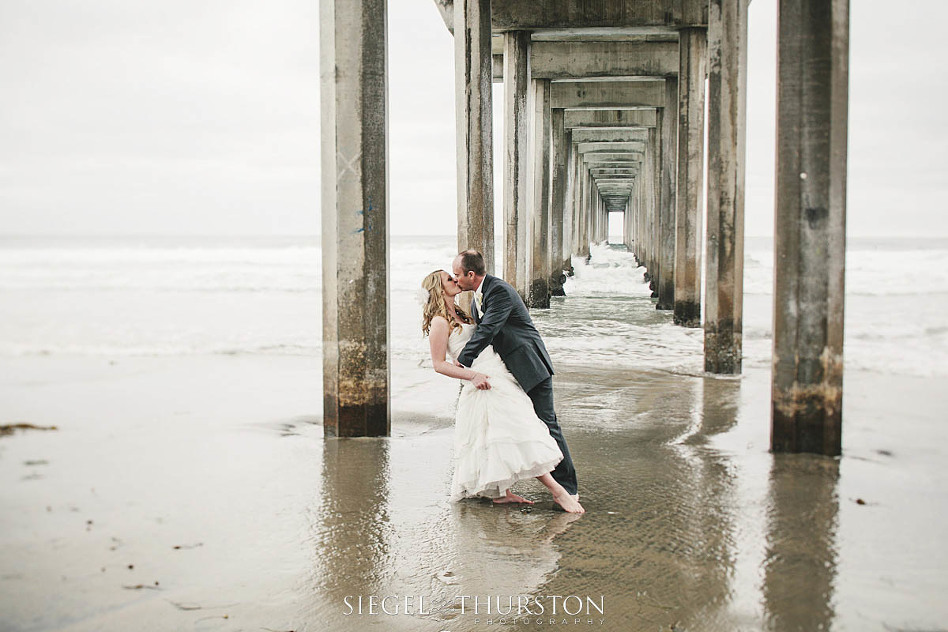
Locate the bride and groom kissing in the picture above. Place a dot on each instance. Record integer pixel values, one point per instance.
(505, 428)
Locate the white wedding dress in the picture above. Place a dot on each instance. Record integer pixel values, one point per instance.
(498, 438)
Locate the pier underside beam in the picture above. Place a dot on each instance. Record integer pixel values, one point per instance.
(576, 60)
(653, 16)
(610, 119)
(354, 122)
(600, 135)
(608, 95)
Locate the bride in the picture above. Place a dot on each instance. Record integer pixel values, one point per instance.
(498, 439)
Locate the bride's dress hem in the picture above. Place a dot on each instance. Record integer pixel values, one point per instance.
(497, 489)
(498, 438)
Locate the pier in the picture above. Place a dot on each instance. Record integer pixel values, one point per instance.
(604, 104)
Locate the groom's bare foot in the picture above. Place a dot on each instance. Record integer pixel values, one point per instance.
(512, 498)
(569, 503)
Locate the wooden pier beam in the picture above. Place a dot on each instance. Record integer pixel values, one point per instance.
(727, 97)
(354, 121)
(539, 288)
(473, 76)
(810, 223)
(693, 45)
(667, 233)
(516, 157)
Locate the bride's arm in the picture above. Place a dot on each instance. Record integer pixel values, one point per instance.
(438, 341)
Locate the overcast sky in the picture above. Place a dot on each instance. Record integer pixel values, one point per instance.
(202, 117)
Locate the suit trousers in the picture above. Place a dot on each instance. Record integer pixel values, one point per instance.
(542, 397)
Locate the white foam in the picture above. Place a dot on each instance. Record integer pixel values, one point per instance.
(248, 298)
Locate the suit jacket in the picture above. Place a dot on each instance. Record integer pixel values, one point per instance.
(507, 325)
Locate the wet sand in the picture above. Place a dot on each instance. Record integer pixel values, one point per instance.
(198, 493)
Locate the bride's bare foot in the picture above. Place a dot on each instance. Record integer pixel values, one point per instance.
(569, 503)
(512, 498)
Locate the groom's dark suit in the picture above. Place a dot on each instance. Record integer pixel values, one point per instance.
(506, 324)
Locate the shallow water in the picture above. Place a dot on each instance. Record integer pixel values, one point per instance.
(691, 523)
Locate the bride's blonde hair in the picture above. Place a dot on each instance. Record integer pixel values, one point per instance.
(437, 306)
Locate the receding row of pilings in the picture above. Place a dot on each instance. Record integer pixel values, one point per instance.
(604, 112)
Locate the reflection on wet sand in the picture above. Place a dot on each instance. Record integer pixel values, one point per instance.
(679, 533)
(802, 520)
(658, 539)
(439, 552)
(351, 534)
(502, 551)
(709, 497)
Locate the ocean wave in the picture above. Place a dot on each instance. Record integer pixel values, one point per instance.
(40, 257)
(158, 349)
(264, 301)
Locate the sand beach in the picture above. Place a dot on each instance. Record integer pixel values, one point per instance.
(188, 486)
(199, 493)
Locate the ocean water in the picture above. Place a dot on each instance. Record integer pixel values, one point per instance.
(261, 296)
(182, 374)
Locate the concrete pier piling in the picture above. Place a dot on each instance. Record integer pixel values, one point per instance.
(810, 223)
(619, 127)
(693, 46)
(569, 203)
(538, 294)
(473, 76)
(654, 209)
(354, 122)
(578, 228)
(727, 96)
(516, 157)
(667, 210)
(557, 201)
(582, 210)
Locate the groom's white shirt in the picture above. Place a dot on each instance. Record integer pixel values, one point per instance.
(478, 298)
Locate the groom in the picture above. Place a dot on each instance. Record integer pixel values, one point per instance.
(503, 321)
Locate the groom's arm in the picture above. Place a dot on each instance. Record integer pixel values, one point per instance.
(494, 318)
